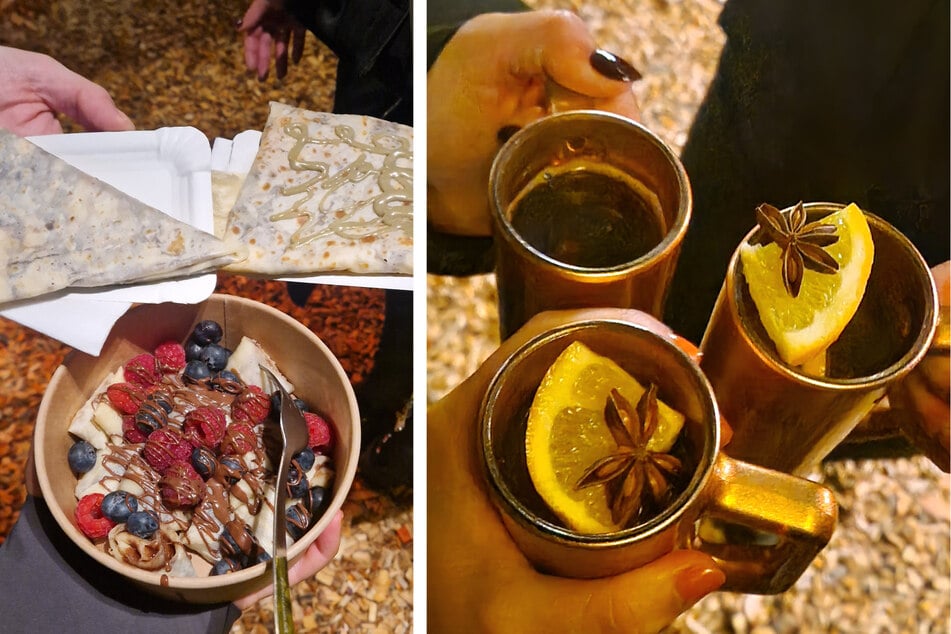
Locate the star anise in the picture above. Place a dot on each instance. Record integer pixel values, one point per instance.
(801, 243)
(638, 479)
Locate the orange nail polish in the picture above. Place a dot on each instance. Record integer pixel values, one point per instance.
(687, 346)
(695, 582)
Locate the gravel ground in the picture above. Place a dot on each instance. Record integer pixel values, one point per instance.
(886, 568)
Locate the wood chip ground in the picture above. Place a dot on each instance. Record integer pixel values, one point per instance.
(181, 64)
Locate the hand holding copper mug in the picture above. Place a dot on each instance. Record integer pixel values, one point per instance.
(478, 577)
(588, 209)
(490, 80)
(922, 400)
(541, 490)
(792, 392)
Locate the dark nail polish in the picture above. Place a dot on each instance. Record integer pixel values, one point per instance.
(505, 132)
(238, 23)
(613, 67)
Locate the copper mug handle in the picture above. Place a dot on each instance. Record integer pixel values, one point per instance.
(793, 518)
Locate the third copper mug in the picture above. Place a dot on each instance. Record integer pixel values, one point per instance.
(786, 419)
(588, 209)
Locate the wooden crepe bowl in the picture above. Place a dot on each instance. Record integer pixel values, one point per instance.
(316, 374)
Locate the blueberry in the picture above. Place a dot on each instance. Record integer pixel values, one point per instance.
(263, 556)
(305, 459)
(224, 566)
(227, 382)
(318, 495)
(81, 456)
(215, 356)
(163, 400)
(231, 466)
(296, 483)
(197, 370)
(228, 375)
(204, 461)
(152, 415)
(119, 505)
(230, 548)
(142, 524)
(276, 403)
(192, 349)
(298, 520)
(206, 332)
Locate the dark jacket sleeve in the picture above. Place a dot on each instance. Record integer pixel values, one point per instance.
(372, 40)
(450, 254)
(444, 17)
(50, 585)
(357, 30)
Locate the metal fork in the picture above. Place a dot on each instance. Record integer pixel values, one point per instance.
(282, 441)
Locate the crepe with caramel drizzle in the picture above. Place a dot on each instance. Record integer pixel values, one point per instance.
(326, 193)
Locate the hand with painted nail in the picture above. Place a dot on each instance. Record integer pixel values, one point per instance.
(37, 88)
(475, 573)
(270, 33)
(498, 73)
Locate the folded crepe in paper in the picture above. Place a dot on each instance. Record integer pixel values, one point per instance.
(61, 228)
(326, 193)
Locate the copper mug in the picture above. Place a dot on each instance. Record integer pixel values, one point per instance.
(533, 277)
(797, 516)
(785, 419)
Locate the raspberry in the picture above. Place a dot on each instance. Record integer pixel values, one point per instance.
(89, 517)
(252, 405)
(204, 426)
(320, 432)
(130, 432)
(125, 397)
(143, 370)
(165, 446)
(170, 356)
(239, 439)
(181, 485)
